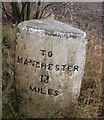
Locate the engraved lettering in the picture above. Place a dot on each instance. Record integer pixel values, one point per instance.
(30, 62)
(44, 78)
(49, 91)
(42, 91)
(43, 52)
(57, 67)
(26, 62)
(19, 60)
(70, 68)
(43, 65)
(63, 67)
(46, 66)
(50, 54)
(76, 68)
(56, 93)
(37, 64)
(33, 89)
(33, 63)
(50, 66)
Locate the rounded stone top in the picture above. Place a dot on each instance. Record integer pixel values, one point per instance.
(51, 27)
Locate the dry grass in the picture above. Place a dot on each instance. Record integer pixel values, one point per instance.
(91, 92)
(9, 102)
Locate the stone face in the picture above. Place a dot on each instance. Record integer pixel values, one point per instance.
(49, 66)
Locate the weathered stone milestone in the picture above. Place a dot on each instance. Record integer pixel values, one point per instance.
(49, 66)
